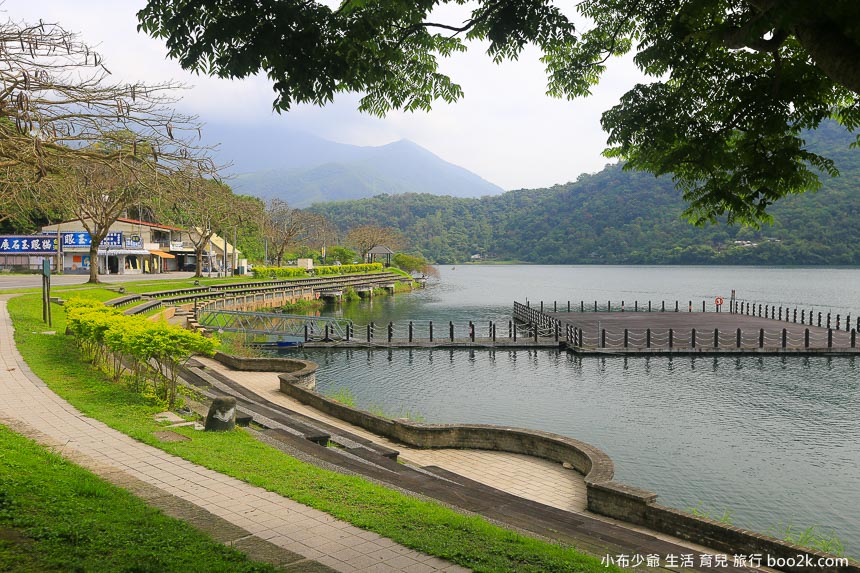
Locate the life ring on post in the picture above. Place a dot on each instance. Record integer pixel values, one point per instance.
(719, 301)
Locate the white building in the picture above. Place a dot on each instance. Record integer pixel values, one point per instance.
(136, 247)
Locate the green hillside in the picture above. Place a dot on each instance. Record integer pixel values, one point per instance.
(619, 217)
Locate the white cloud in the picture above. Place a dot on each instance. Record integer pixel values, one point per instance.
(505, 129)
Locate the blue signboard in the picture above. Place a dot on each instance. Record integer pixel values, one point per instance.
(27, 244)
(82, 239)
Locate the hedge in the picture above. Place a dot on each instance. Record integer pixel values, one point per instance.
(296, 272)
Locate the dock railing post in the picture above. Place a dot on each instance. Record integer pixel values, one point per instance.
(555, 306)
(847, 323)
(511, 329)
(431, 331)
(370, 332)
(716, 338)
(703, 306)
(829, 338)
(557, 329)
(838, 323)
(806, 338)
(306, 332)
(647, 338)
(828, 320)
(693, 338)
(515, 332)
(410, 331)
(603, 338)
(451, 330)
(625, 337)
(784, 338)
(853, 338)
(493, 327)
(738, 343)
(390, 331)
(671, 336)
(761, 338)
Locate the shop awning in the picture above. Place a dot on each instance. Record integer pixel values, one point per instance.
(114, 252)
(162, 254)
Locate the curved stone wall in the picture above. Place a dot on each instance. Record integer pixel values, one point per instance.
(302, 373)
(593, 463)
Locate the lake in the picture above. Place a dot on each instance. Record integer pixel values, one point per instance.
(772, 440)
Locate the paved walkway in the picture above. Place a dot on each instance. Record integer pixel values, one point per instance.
(525, 476)
(28, 406)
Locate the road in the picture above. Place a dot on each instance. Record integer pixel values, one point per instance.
(8, 282)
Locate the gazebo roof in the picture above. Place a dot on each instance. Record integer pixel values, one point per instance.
(380, 250)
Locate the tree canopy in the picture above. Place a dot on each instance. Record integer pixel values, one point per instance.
(733, 81)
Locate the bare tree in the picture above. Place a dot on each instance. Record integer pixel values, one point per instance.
(97, 194)
(201, 207)
(57, 106)
(366, 237)
(285, 227)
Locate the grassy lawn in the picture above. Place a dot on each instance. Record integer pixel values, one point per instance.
(56, 516)
(425, 526)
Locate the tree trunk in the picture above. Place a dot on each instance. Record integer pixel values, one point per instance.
(198, 255)
(94, 263)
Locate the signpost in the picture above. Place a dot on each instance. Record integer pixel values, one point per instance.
(46, 291)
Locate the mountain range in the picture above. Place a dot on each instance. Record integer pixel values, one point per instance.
(624, 217)
(303, 169)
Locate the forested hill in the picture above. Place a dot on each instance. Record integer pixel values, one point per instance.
(617, 216)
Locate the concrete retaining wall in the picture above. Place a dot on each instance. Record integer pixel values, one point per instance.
(605, 497)
(302, 373)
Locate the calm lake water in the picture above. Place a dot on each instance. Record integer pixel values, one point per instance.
(772, 440)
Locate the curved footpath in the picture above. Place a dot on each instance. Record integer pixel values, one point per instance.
(251, 519)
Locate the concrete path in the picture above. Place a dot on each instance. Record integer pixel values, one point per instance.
(526, 476)
(28, 406)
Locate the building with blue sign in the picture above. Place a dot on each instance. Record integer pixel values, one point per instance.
(131, 247)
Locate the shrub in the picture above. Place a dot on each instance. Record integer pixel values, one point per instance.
(101, 331)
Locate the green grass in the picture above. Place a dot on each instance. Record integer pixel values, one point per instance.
(55, 516)
(426, 526)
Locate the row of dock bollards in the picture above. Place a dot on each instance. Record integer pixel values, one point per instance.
(575, 337)
(514, 331)
(773, 312)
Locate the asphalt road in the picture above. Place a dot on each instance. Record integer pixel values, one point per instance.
(34, 281)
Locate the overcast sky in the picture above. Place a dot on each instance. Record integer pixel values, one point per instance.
(505, 129)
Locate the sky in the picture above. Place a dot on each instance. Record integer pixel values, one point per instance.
(505, 128)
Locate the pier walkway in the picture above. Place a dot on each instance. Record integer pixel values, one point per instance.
(760, 330)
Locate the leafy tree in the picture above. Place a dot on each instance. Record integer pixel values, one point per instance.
(733, 81)
(341, 255)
